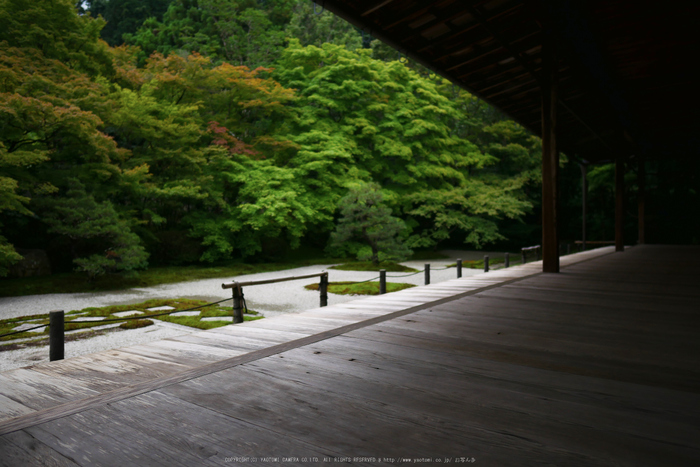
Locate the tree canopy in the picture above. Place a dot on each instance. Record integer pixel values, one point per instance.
(220, 129)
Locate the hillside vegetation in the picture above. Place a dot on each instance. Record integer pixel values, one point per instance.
(204, 131)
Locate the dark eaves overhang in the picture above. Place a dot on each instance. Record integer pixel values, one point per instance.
(626, 84)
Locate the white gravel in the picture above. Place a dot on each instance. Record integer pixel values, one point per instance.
(269, 299)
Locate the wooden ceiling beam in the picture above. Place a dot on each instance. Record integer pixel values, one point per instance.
(376, 7)
(510, 89)
(525, 62)
(459, 32)
(411, 15)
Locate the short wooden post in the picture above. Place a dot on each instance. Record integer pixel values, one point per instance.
(323, 288)
(237, 305)
(459, 268)
(486, 264)
(56, 341)
(507, 260)
(427, 274)
(522, 253)
(539, 253)
(382, 281)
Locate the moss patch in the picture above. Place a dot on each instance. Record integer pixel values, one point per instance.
(369, 266)
(360, 288)
(107, 312)
(136, 324)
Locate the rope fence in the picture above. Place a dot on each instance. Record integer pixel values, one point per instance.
(56, 322)
(110, 320)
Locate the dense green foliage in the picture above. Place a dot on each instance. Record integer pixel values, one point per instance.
(233, 129)
(365, 219)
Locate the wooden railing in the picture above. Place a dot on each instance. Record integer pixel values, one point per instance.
(239, 300)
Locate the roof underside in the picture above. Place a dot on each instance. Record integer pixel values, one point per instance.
(628, 84)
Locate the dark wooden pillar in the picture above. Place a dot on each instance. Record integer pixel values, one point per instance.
(584, 202)
(619, 204)
(641, 188)
(550, 154)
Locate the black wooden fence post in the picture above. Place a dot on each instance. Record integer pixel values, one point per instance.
(427, 274)
(507, 260)
(237, 304)
(459, 268)
(56, 342)
(323, 288)
(382, 281)
(486, 264)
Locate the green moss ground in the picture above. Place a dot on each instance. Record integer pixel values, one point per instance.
(7, 325)
(361, 288)
(369, 266)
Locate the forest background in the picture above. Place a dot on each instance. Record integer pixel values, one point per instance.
(154, 132)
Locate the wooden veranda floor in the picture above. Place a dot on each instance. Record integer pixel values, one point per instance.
(597, 365)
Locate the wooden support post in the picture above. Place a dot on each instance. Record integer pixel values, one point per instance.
(382, 281)
(507, 259)
(427, 274)
(641, 188)
(459, 268)
(486, 264)
(522, 253)
(323, 288)
(237, 305)
(619, 204)
(550, 153)
(56, 334)
(584, 201)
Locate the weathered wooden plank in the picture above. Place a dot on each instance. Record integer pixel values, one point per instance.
(10, 408)
(571, 280)
(377, 307)
(221, 340)
(19, 448)
(181, 423)
(37, 391)
(346, 315)
(106, 371)
(182, 352)
(272, 336)
(567, 326)
(361, 427)
(90, 445)
(631, 319)
(451, 370)
(559, 424)
(126, 426)
(532, 356)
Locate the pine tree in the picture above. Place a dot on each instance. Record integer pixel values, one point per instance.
(366, 218)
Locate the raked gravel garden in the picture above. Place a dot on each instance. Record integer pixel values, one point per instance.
(267, 300)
